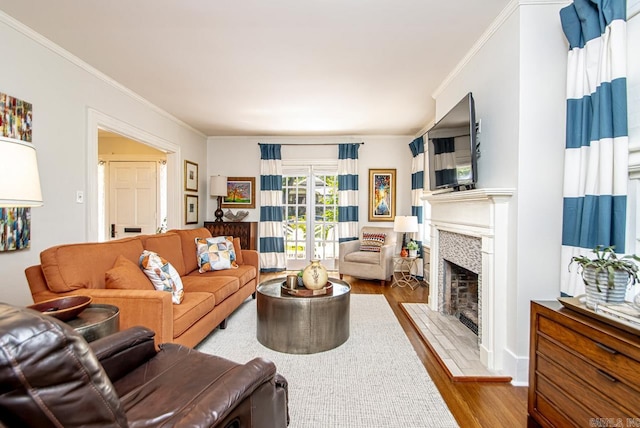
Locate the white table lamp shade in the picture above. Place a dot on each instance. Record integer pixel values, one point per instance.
(406, 224)
(19, 178)
(218, 185)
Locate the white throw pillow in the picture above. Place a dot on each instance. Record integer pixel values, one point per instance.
(162, 275)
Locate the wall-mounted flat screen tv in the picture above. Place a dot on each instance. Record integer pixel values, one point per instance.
(452, 148)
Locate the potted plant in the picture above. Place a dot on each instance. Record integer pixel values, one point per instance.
(606, 276)
(412, 246)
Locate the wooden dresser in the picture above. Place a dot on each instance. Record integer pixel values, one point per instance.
(247, 231)
(582, 371)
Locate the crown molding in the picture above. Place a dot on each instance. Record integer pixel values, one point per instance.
(509, 9)
(58, 50)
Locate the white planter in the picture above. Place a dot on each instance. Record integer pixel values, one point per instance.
(606, 294)
(413, 253)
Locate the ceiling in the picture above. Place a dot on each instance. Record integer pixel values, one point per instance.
(272, 68)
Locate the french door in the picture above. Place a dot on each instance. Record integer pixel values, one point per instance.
(310, 200)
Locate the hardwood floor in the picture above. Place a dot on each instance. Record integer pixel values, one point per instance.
(473, 404)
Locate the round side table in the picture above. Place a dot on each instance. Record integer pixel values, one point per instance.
(98, 320)
(404, 266)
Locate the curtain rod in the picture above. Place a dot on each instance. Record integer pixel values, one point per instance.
(310, 144)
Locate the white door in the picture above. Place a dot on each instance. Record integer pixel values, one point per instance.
(304, 213)
(133, 199)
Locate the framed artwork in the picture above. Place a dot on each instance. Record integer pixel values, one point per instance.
(15, 228)
(382, 194)
(191, 209)
(190, 176)
(241, 193)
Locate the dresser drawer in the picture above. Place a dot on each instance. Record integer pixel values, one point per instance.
(575, 413)
(603, 383)
(582, 371)
(594, 401)
(609, 358)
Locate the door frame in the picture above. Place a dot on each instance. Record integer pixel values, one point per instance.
(98, 120)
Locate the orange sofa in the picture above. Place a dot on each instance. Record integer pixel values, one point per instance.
(209, 298)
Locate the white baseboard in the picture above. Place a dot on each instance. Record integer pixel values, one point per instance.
(516, 367)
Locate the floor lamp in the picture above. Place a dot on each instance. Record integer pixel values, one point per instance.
(405, 224)
(19, 178)
(218, 188)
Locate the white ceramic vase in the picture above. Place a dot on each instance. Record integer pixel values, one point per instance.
(315, 276)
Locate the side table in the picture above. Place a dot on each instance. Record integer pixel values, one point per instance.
(404, 266)
(97, 321)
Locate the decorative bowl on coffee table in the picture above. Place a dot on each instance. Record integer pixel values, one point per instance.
(63, 308)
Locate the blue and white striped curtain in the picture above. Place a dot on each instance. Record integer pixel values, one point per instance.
(596, 156)
(417, 185)
(348, 192)
(271, 228)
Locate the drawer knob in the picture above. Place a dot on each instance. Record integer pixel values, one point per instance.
(606, 348)
(607, 376)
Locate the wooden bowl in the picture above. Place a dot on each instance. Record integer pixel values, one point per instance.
(63, 308)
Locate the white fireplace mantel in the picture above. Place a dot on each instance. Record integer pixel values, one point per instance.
(481, 213)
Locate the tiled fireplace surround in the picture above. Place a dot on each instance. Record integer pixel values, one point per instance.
(470, 229)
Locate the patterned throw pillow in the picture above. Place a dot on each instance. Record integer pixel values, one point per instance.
(372, 242)
(215, 253)
(163, 276)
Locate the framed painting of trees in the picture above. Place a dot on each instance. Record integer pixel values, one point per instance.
(241, 193)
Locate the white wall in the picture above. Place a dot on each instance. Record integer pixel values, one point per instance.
(240, 157)
(62, 90)
(517, 76)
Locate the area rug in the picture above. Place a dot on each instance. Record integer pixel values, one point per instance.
(375, 379)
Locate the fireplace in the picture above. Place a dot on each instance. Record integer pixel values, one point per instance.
(469, 233)
(459, 255)
(461, 295)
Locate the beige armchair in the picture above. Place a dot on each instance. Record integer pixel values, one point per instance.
(366, 264)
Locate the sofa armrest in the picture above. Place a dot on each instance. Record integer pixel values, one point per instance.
(121, 352)
(213, 404)
(252, 257)
(386, 258)
(348, 247)
(148, 308)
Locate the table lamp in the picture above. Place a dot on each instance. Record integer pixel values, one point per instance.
(405, 224)
(19, 178)
(218, 188)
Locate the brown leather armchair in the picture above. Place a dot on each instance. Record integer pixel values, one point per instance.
(51, 377)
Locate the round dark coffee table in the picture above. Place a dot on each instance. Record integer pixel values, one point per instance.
(302, 325)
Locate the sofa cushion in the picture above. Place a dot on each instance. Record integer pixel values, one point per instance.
(363, 257)
(238, 249)
(193, 307)
(372, 242)
(73, 266)
(126, 275)
(220, 286)
(188, 239)
(244, 274)
(169, 246)
(163, 275)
